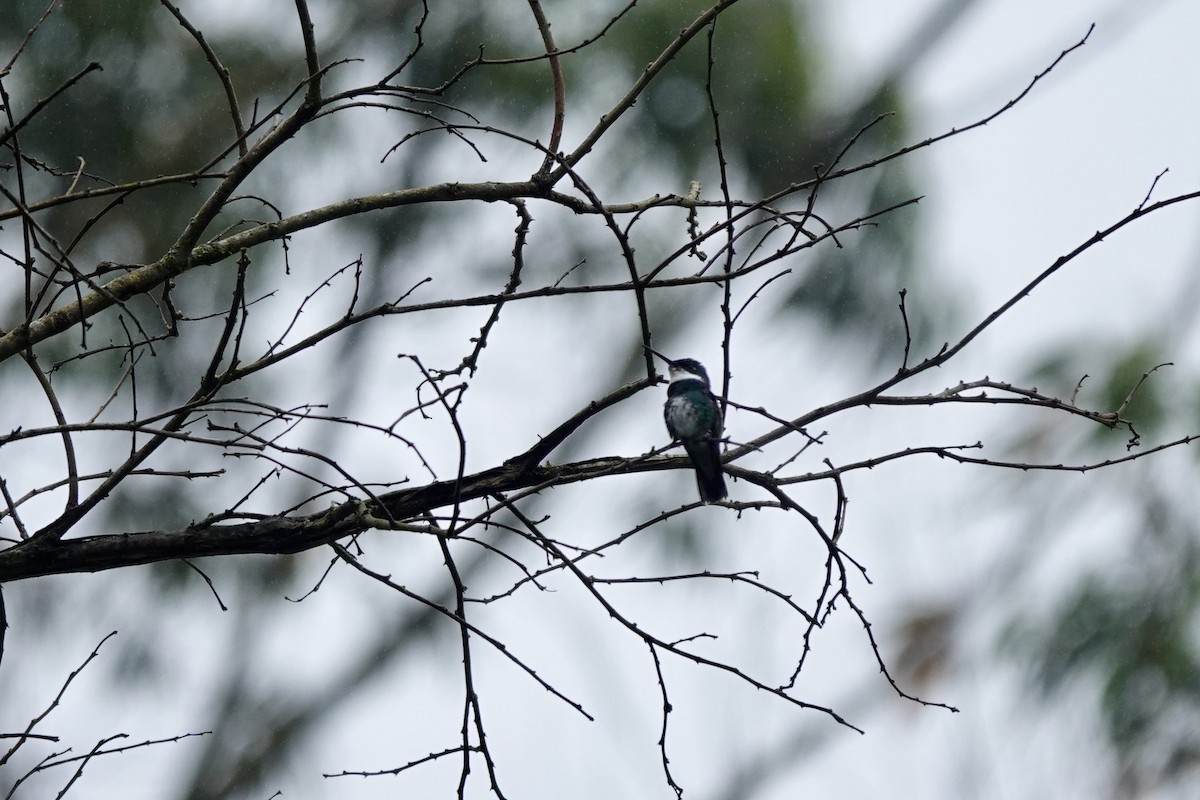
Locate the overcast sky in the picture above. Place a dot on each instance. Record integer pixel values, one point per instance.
(1001, 204)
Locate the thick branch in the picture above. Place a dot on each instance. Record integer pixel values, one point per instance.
(144, 278)
(278, 535)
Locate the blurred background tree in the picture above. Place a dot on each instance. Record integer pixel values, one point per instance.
(349, 679)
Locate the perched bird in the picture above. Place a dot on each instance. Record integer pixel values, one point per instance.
(694, 418)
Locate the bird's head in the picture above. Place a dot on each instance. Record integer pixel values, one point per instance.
(688, 369)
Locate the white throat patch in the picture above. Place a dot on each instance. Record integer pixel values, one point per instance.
(679, 374)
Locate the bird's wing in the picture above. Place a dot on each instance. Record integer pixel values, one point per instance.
(718, 425)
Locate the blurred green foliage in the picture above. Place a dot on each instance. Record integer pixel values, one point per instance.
(158, 108)
(1135, 633)
(1129, 625)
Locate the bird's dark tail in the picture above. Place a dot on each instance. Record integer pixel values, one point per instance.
(706, 458)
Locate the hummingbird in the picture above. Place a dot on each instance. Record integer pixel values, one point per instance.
(694, 418)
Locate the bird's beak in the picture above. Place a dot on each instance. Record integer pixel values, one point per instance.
(652, 351)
